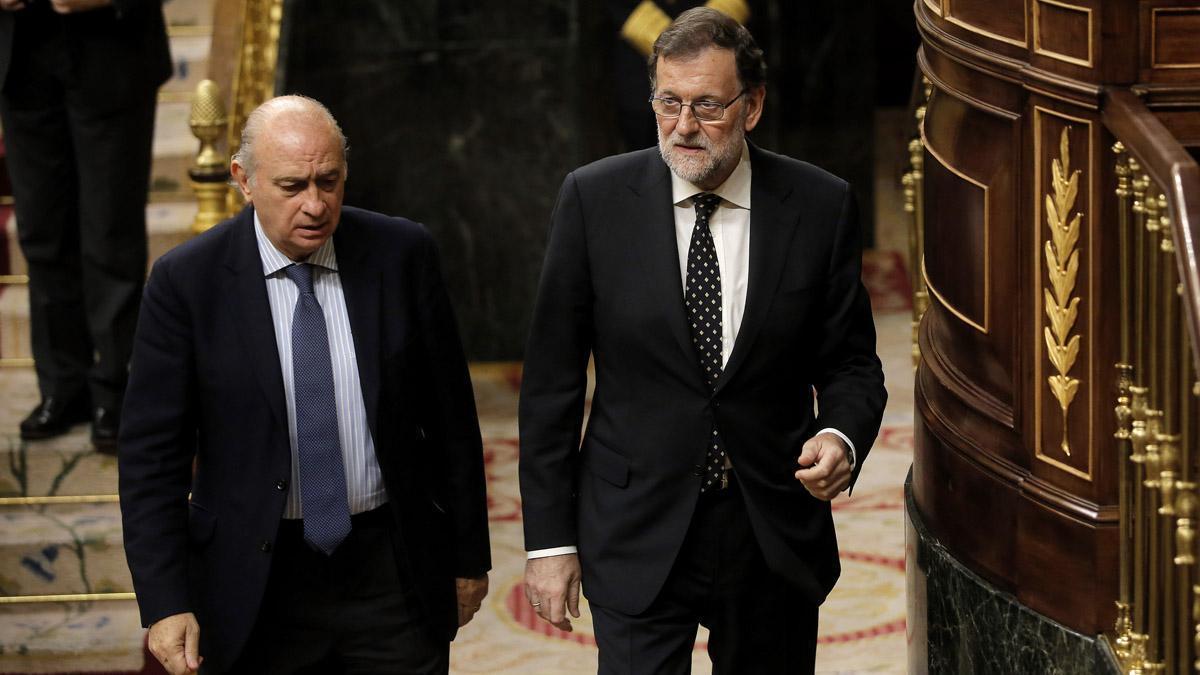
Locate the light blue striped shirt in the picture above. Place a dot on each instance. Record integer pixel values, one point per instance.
(364, 482)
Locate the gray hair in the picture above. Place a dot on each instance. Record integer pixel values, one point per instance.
(292, 103)
(702, 27)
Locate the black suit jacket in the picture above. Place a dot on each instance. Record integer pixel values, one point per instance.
(129, 38)
(205, 386)
(611, 288)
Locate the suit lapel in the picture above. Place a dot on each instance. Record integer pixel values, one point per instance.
(654, 225)
(361, 288)
(249, 298)
(773, 221)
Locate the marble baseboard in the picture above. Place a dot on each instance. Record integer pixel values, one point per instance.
(960, 623)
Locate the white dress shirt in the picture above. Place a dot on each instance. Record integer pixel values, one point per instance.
(730, 228)
(364, 482)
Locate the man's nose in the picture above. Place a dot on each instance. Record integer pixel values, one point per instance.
(314, 205)
(687, 123)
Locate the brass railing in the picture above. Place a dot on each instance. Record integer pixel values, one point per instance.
(913, 185)
(1157, 186)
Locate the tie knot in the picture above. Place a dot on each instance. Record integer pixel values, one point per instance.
(301, 275)
(706, 203)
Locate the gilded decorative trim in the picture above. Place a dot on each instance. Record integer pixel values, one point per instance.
(1062, 264)
(643, 26)
(16, 362)
(14, 279)
(1037, 34)
(1055, 458)
(254, 77)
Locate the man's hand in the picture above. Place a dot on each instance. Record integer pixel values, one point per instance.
(175, 642)
(12, 5)
(72, 6)
(471, 592)
(552, 587)
(824, 467)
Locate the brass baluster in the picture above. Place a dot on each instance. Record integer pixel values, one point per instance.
(1151, 482)
(1137, 442)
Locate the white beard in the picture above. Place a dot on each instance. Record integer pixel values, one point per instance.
(699, 170)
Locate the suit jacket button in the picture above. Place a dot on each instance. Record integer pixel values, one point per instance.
(265, 546)
(281, 485)
(697, 469)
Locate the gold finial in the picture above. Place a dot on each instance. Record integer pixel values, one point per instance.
(210, 172)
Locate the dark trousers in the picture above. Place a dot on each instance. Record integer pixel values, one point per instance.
(757, 623)
(352, 612)
(80, 168)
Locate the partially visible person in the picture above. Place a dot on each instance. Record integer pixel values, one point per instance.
(78, 85)
(304, 359)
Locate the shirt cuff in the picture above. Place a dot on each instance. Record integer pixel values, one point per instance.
(850, 455)
(547, 552)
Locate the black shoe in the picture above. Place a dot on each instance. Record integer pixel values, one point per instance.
(52, 417)
(106, 424)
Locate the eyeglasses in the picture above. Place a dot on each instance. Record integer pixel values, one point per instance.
(705, 111)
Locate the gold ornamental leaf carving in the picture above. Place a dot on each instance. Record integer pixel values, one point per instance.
(1062, 270)
(1064, 388)
(1061, 320)
(1062, 357)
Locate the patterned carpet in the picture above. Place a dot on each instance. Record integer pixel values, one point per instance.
(862, 623)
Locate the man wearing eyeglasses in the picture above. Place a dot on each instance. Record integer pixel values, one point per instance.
(716, 287)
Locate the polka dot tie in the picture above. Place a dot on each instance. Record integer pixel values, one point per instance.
(323, 501)
(702, 299)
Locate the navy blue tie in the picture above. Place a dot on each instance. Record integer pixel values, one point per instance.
(326, 509)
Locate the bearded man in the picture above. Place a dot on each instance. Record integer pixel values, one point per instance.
(716, 287)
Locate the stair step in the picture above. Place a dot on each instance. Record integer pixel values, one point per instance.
(62, 466)
(62, 549)
(94, 637)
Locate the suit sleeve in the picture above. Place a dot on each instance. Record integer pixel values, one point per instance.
(849, 379)
(554, 382)
(158, 443)
(455, 420)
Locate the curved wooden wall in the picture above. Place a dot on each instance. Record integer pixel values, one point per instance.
(1015, 465)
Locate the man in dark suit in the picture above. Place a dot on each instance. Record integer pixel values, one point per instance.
(716, 287)
(298, 371)
(79, 91)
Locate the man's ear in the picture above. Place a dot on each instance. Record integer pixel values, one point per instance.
(755, 98)
(242, 178)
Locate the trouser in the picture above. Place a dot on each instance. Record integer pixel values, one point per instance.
(80, 170)
(757, 622)
(351, 612)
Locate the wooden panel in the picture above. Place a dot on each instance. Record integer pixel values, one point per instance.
(1002, 20)
(969, 240)
(1063, 32)
(1174, 41)
(1065, 399)
(955, 496)
(1067, 567)
(955, 241)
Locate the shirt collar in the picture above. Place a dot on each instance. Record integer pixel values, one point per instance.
(735, 190)
(274, 260)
